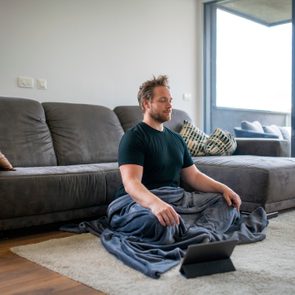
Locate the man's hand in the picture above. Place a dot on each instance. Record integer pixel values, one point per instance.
(165, 213)
(131, 176)
(232, 198)
(202, 182)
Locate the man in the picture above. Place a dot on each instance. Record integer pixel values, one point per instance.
(151, 156)
(153, 220)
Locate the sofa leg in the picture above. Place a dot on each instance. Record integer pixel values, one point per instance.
(272, 214)
(269, 215)
(2, 236)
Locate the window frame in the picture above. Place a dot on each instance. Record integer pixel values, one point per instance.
(210, 69)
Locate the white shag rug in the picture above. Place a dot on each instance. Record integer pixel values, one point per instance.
(266, 267)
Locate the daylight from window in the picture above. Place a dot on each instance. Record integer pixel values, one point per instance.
(253, 69)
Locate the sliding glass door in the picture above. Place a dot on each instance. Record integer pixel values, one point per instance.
(248, 63)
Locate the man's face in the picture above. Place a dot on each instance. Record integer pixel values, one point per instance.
(160, 107)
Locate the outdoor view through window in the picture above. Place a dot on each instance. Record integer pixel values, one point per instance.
(253, 65)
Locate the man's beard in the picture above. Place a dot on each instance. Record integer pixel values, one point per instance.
(161, 118)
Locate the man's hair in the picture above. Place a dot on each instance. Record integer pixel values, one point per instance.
(146, 90)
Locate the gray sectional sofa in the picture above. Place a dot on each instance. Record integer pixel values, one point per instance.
(65, 157)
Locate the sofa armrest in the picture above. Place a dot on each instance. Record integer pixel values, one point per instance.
(263, 147)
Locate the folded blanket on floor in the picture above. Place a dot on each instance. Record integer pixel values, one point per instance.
(136, 237)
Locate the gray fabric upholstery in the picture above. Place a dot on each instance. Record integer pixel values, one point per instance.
(178, 117)
(129, 116)
(52, 217)
(260, 181)
(83, 133)
(43, 190)
(263, 147)
(24, 135)
(112, 178)
(66, 162)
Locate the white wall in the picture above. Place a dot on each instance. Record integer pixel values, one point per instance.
(100, 51)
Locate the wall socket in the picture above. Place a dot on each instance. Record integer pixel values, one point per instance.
(28, 82)
(25, 82)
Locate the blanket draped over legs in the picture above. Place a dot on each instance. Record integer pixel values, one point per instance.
(134, 234)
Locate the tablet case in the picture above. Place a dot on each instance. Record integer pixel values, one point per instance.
(208, 258)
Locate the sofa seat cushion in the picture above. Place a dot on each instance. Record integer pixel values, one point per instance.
(24, 135)
(83, 133)
(113, 179)
(41, 190)
(260, 181)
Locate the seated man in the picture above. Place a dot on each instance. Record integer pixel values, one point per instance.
(152, 156)
(153, 220)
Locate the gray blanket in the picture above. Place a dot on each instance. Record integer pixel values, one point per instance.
(135, 236)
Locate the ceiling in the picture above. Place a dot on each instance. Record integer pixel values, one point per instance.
(266, 12)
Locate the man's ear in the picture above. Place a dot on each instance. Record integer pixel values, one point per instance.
(145, 104)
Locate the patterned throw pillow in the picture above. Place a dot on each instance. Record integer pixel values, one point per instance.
(220, 143)
(4, 163)
(194, 138)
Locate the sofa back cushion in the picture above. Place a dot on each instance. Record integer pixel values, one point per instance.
(24, 135)
(83, 133)
(129, 116)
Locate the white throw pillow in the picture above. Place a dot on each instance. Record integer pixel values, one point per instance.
(274, 129)
(286, 132)
(254, 126)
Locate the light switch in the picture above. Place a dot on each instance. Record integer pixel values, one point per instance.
(187, 97)
(41, 83)
(25, 82)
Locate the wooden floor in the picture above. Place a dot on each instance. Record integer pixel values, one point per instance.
(19, 276)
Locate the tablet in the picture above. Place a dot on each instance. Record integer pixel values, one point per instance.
(208, 258)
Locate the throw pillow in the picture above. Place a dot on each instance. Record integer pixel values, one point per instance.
(286, 132)
(254, 126)
(274, 129)
(220, 143)
(4, 163)
(194, 138)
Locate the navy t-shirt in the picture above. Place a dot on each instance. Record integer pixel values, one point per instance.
(161, 153)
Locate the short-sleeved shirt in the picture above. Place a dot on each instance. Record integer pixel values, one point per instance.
(162, 154)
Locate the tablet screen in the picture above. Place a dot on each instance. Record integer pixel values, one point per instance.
(209, 251)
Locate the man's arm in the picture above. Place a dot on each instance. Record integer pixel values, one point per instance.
(200, 181)
(131, 177)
